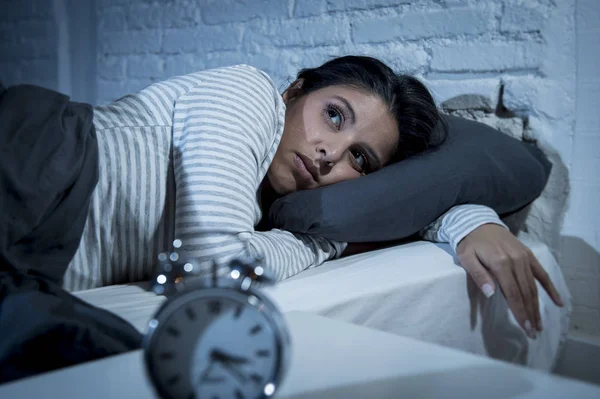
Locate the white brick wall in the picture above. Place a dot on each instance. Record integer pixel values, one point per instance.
(544, 58)
(28, 43)
(581, 235)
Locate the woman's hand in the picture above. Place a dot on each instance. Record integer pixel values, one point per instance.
(492, 251)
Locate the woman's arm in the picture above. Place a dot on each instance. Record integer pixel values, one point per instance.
(458, 222)
(225, 134)
(451, 227)
(488, 251)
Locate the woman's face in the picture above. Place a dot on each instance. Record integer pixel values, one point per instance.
(333, 134)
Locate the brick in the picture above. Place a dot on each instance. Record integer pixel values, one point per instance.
(202, 39)
(145, 66)
(498, 57)
(443, 90)
(216, 60)
(307, 8)
(272, 63)
(223, 11)
(108, 91)
(335, 5)
(180, 41)
(144, 16)
(539, 94)
(417, 25)
(28, 50)
(183, 64)
(299, 33)
(456, 3)
(35, 29)
(522, 17)
(27, 9)
(181, 15)
(402, 58)
(131, 42)
(39, 70)
(112, 20)
(110, 3)
(111, 68)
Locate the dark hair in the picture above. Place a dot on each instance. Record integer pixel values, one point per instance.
(410, 103)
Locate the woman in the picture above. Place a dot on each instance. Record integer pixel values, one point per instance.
(197, 156)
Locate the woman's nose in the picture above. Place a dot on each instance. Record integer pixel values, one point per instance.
(328, 155)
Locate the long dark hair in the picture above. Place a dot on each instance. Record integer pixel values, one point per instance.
(410, 103)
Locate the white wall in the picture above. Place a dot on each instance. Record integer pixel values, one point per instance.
(28, 43)
(457, 46)
(581, 234)
(537, 50)
(49, 43)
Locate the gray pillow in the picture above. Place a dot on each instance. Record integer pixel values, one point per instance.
(475, 165)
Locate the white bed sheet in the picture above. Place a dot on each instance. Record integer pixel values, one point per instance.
(415, 290)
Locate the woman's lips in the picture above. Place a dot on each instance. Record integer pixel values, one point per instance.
(303, 170)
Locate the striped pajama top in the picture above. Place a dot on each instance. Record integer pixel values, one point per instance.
(184, 158)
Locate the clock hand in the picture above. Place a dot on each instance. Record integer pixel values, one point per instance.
(220, 355)
(205, 376)
(233, 370)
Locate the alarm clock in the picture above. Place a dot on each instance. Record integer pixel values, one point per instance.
(216, 336)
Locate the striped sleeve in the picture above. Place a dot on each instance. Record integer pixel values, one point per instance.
(458, 222)
(225, 132)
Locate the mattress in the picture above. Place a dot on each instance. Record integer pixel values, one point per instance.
(415, 290)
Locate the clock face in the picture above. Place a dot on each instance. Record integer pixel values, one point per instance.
(217, 345)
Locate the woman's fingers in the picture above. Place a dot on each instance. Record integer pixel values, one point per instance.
(540, 274)
(478, 273)
(502, 269)
(536, 301)
(512, 292)
(491, 251)
(526, 282)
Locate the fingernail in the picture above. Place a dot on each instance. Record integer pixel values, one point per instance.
(529, 330)
(487, 289)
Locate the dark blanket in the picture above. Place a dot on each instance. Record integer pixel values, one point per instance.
(48, 170)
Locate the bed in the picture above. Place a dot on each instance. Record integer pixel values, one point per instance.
(415, 290)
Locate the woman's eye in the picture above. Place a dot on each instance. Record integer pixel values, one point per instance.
(359, 159)
(335, 117)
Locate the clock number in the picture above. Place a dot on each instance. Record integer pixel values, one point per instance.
(239, 394)
(256, 378)
(262, 353)
(173, 331)
(256, 329)
(190, 313)
(238, 311)
(214, 306)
